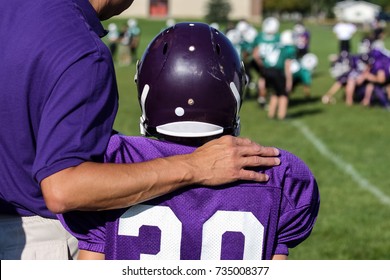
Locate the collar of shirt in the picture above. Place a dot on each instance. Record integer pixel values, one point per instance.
(91, 17)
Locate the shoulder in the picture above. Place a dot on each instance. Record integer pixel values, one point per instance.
(120, 144)
(62, 33)
(300, 186)
(290, 50)
(125, 149)
(294, 165)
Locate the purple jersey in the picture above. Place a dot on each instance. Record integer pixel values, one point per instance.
(347, 67)
(380, 62)
(244, 220)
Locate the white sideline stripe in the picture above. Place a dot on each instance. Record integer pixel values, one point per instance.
(341, 164)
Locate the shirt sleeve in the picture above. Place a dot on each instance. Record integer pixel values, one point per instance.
(300, 205)
(78, 116)
(87, 227)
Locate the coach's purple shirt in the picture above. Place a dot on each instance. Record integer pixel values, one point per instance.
(238, 221)
(58, 96)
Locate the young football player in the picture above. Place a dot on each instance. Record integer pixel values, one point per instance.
(302, 70)
(301, 39)
(344, 32)
(190, 84)
(264, 47)
(347, 69)
(377, 78)
(278, 75)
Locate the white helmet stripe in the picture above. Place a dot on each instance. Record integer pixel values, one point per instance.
(236, 95)
(144, 95)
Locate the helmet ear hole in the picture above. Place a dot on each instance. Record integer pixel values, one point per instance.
(218, 49)
(165, 48)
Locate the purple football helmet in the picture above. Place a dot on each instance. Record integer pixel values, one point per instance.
(190, 83)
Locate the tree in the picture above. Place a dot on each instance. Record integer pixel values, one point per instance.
(286, 5)
(385, 5)
(218, 11)
(302, 6)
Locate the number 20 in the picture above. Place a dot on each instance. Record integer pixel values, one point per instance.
(171, 231)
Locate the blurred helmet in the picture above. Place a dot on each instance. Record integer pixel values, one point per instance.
(364, 45)
(190, 83)
(112, 27)
(341, 66)
(170, 22)
(242, 26)
(270, 25)
(250, 35)
(234, 36)
(132, 23)
(309, 61)
(299, 28)
(378, 44)
(214, 25)
(286, 38)
(295, 66)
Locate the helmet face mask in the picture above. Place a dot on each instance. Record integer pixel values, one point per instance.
(190, 82)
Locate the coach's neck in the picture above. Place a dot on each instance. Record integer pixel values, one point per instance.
(109, 8)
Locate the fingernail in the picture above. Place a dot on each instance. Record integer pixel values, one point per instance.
(277, 161)
(266, 177)
(276, 151)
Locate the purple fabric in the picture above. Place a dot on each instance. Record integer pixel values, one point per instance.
(349, 67)
(381, 62)
(380, 95)
(180, 224)
(303, 40)
(58, 96)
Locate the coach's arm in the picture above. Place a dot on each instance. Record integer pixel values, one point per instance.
(102, 186)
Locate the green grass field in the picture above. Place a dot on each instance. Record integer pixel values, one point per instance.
(346, 148)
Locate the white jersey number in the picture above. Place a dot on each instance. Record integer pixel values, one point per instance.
(171, 231)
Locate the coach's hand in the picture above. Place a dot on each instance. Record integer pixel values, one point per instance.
(226, 159)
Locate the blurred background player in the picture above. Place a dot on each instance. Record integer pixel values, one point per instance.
(378, 32)
(134, 33)
(302, 70)
(301, 39)
(264, 49)
(169, 23)
(183, 110)
(346, 69)
(242, 37)
(278, 75)
(248, 37)
(377, 78)
(113, 38)
(124, 58)
(344, 32)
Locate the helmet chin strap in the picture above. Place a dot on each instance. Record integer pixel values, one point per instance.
(237, 128)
